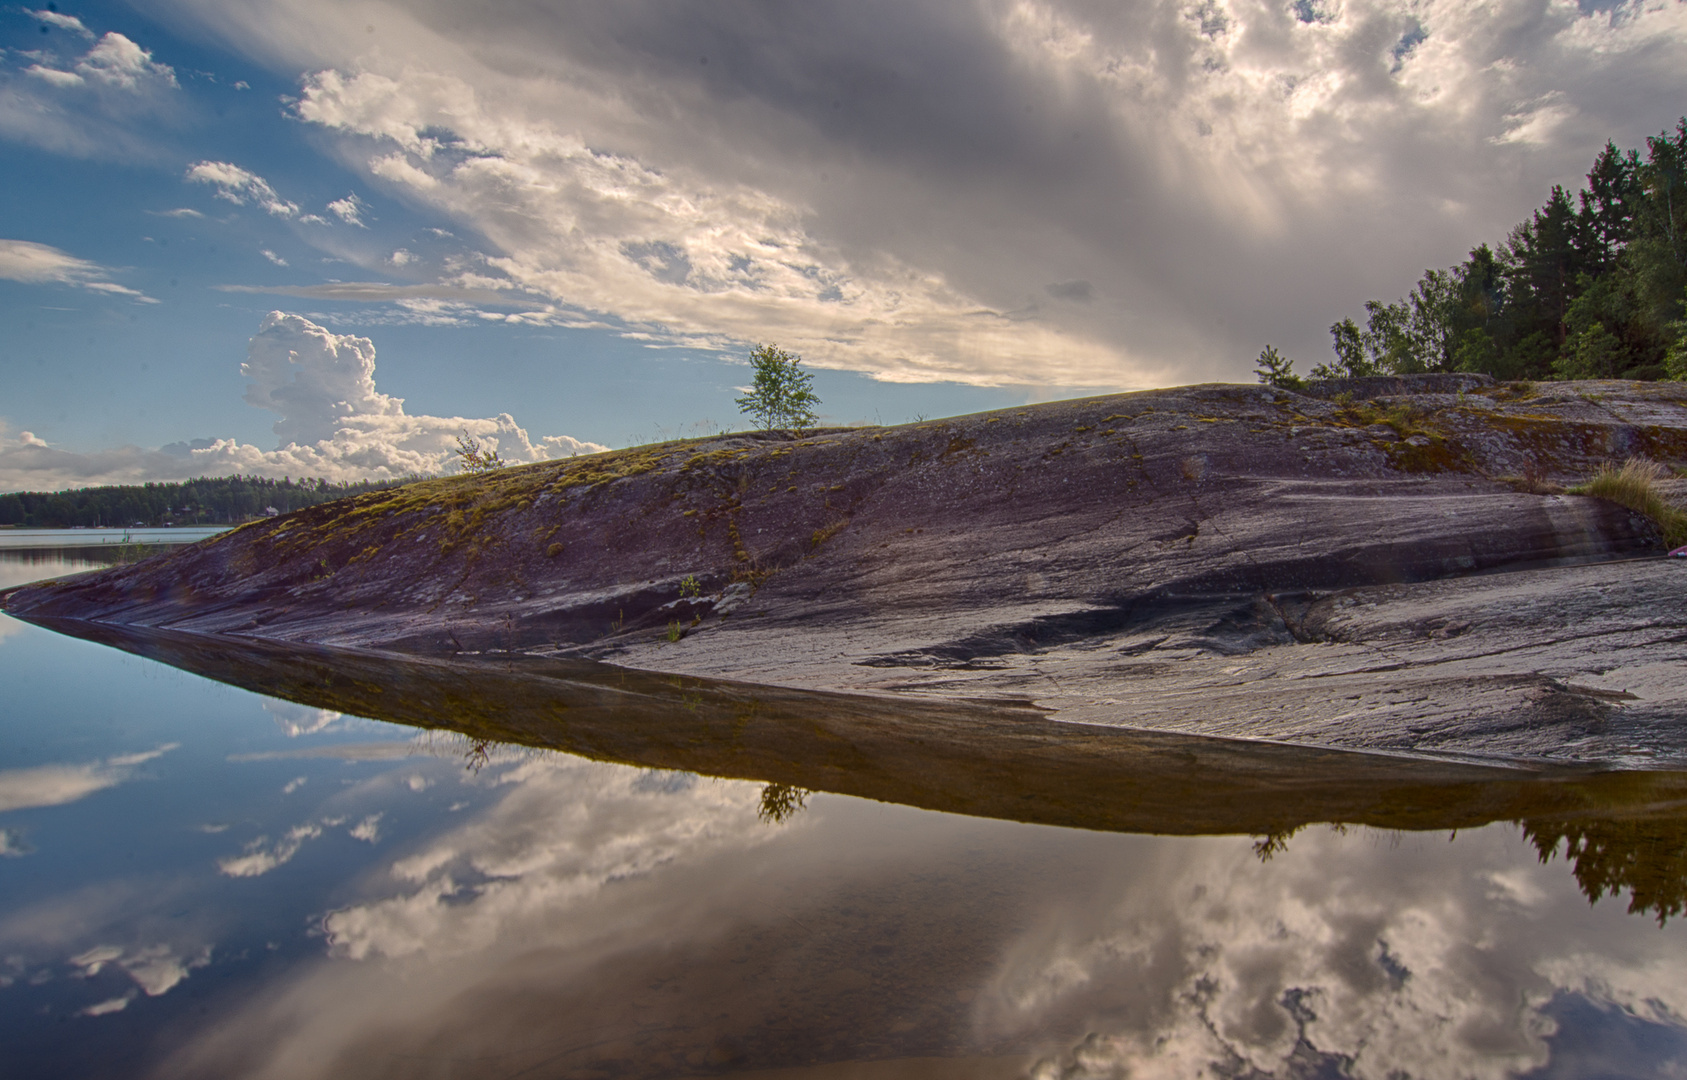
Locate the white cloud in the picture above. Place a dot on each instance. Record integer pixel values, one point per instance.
(368, 830)
(114, 62)
(60, 20)
(118, 62)
(105, 1008)
(261, 855)
(54, 76)
(349, 210)
(272, 257)
(294, 784)
(12, 844)
(55, 785)
(333, 423)
(238, 186)
(39, 264)
(105, 103)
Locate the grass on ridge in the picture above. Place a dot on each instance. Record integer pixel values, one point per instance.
(1634, 485)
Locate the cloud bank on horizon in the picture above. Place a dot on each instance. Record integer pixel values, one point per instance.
(333, 423)
(1038, 192)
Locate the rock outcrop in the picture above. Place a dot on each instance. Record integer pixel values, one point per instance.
(1386, 565)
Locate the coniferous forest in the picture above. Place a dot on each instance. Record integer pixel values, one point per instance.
(223, 500)
(1591, 286)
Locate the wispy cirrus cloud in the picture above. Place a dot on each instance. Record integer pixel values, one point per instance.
(41, 264)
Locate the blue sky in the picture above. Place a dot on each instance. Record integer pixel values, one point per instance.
(561, 221)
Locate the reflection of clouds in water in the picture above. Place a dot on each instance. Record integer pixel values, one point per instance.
(8, 625)
(368, 830)
(155, 968)
(55, 785)
(1335, 958)
(12, 844)
(574, 861)
(262, 856)
(566, 829)
(295, 720)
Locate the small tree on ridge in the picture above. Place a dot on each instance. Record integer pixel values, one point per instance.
(473, 457)
(782, 395)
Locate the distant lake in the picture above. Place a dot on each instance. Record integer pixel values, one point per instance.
(37, 554)
(66, 538)
(198, 880)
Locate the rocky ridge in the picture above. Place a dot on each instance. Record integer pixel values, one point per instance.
(1378, 564)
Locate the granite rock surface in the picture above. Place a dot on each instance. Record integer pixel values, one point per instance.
(1386, 565)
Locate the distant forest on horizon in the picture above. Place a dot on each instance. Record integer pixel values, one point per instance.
(1590, 287)
(222, 500)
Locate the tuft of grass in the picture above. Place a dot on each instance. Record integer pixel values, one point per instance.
(825, 533)
(1634, 485)
(675, 631)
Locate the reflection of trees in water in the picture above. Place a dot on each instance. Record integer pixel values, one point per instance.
(1646, 856)
(781, 802)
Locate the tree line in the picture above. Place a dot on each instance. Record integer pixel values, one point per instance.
(1591, 286)
(221, 500)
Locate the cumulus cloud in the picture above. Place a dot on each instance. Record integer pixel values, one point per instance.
(55, 785)
(912, 189)
(240, 187)
(40, 264)
(333, 423)
(91, 105)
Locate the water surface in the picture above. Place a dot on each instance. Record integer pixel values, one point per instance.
(204, 880)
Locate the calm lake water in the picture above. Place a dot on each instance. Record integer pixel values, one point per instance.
(200, 880)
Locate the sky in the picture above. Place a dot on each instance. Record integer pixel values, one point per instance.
(301, 237)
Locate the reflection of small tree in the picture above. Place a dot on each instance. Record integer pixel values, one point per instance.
(1274, 843)
(782, 396)
(781, 802)
(478, 755)
(472, 457)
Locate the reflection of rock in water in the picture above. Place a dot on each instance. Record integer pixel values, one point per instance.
(987, 760)
(1646, 856)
